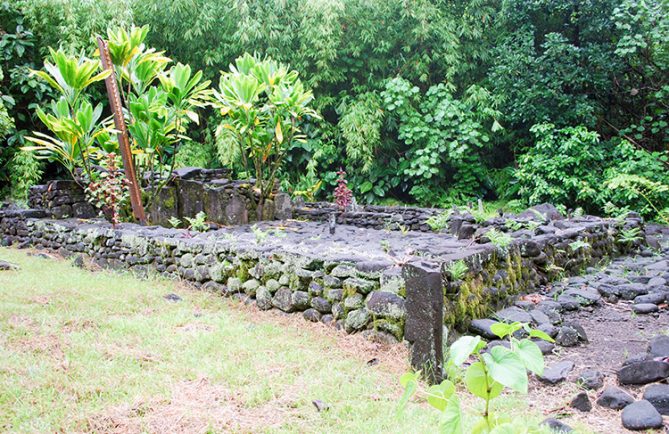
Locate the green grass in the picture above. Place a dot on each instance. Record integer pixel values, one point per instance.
(84, 351)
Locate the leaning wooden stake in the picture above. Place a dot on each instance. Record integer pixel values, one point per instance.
(122, 135)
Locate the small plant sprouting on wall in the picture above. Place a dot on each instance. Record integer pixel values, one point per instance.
(629, 236)
(457, 269)
(343, 195)
(198, 223)
(579, 245)
(440, 221)
(108, 189)
(500, 239)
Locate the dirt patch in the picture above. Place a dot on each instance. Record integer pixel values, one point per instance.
(614, 334)
(194, 407)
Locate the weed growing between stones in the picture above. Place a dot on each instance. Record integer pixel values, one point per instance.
(496, 368)
(439, 222)
(457, 269)
(500, 239)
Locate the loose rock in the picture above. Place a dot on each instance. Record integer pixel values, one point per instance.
(658, 395)
(644, 372)
(581, 402)
(615, 398)
(557, 373)
(591, 379)
(641, 415)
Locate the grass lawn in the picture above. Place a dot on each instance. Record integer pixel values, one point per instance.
(96, 351)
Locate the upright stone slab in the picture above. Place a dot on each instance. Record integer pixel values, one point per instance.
(424, 327)
(164, 206)
(192, 197)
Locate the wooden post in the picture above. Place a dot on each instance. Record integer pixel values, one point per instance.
(122, 135)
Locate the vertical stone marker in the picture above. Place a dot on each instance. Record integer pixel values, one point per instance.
(424, 327)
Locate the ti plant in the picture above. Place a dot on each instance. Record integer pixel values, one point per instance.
(80, 135)
(108, 190)
(343, 195)
(264, 105)
(487, 377)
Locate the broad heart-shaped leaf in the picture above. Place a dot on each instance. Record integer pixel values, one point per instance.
(530, 354)
(502, 330)
(480, 384)
(409, 381)
(451, 417)
(463, 348)
(439, 393)
(507, 368)
(506, 428)
(541, 335)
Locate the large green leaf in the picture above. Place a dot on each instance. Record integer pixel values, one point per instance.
(439, 393)
(503, 330)
(451, 417)
(463, 348)
(480, 384)
(507, 368)
(409, 381)
(530, 354)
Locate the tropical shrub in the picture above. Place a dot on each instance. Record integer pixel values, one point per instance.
(563, 167)
(492, 371)
(444, 136)
(342, 194)
(263, 105)
(79, 132)
(160, 103)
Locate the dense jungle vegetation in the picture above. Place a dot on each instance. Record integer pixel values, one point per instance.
(428, 102)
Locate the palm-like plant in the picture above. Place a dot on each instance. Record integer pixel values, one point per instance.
(79, 131)
(159, 105)
(70, 75)
(263, 104)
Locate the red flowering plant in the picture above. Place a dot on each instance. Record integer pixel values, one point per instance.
(109, 190)
(343, 195)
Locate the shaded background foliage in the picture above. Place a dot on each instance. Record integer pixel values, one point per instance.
(432, 102)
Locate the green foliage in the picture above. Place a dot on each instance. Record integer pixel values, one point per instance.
(79, 132)
(563, 167)
(579, 245)
(259, 234)
(160, 104)
(457, 269)
(629, 236)
(175, 222)
(651, 191)
(411, 97)
(24, 171)
(263, 104)
(198, 223)
(444, 137)
(493, 370)
(501, 240)
(194, 154)
(440, 221)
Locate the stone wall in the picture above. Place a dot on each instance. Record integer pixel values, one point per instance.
(352, 278)
(191, 190)
(61, 199)
(370, 216)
